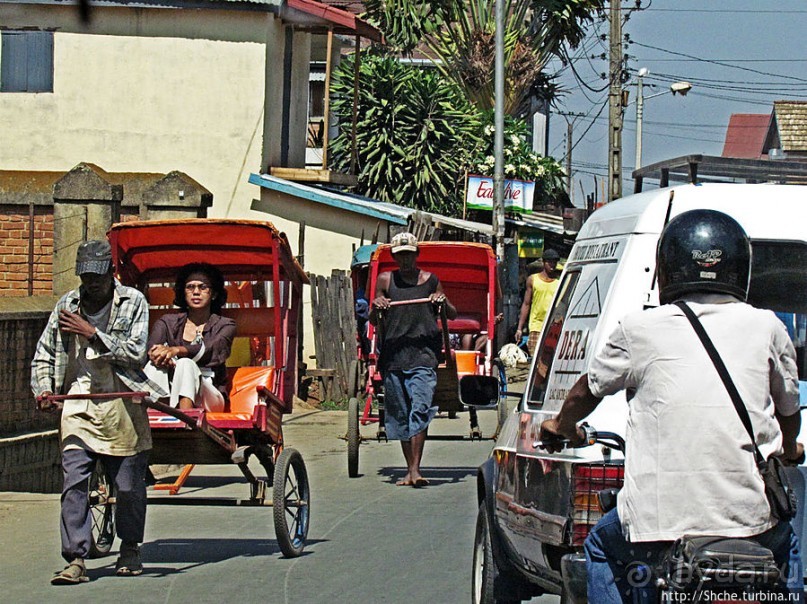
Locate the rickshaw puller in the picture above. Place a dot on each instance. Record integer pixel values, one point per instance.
(410, 351)
(95, 342)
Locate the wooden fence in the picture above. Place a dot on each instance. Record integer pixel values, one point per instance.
(332, 310)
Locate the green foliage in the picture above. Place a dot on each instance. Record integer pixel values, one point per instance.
(414, 136)
(406, 23)
(460, 37)
(521, 163)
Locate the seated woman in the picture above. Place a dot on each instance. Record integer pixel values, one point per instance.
(189, 348)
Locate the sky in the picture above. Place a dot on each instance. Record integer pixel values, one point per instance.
(739, 55)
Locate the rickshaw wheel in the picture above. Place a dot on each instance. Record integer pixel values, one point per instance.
(102, 512)
(291, 500)
(353, 438)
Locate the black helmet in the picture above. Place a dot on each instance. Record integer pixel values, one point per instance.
(703, 251)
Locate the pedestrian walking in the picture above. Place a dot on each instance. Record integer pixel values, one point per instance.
(95, 342)
(541, 289)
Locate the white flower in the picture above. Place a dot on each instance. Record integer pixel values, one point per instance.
(515, 139)
(509, 169)
(489, 130)
(540, 170)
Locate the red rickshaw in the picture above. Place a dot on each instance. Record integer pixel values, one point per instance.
(264, 284)
(468, 273)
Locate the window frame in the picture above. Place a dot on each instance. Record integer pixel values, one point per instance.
(26, 61)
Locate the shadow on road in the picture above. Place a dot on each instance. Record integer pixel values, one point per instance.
(193, 553)
(435, 476)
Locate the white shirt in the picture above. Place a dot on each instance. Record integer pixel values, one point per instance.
(689, 464)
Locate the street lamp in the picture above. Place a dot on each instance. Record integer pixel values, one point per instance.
(676, 88)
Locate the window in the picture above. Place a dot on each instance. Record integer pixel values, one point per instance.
(779, 283)
(26, 61)
(553, 327)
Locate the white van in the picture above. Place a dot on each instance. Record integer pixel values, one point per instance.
(539, 507)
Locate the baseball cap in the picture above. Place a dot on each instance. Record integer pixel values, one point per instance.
(550, 255)
(94, 256)
(404, 242)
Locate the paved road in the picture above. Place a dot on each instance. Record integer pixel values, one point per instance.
(369, 541)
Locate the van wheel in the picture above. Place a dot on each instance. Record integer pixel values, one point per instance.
(487, 580)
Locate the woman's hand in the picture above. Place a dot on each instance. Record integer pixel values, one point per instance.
(437, 298)
(163, 356)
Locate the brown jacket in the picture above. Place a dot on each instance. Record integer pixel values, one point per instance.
(217, 337)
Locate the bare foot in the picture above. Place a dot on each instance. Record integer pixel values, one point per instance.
(406, 481)
(420, 482)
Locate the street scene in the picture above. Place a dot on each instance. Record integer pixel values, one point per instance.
(369, 541)
(494, 301)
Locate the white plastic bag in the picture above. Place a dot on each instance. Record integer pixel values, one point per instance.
(511, 355)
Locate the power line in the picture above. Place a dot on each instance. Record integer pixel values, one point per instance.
(732, 11)
(720, 63)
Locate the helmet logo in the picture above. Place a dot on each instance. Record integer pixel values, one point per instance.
(708, 258)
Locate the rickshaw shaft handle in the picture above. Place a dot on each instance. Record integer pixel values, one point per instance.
(102, 395)
(415, 301)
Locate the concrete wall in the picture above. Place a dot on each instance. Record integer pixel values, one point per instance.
(154, 90)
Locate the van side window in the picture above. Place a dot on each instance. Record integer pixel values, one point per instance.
(779, 283)
(550, 336)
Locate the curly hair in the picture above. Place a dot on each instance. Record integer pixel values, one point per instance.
(219, 292)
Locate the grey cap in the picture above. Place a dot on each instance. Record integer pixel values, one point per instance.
(550, 255)
(94, 256)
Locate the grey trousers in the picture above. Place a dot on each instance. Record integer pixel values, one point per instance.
(128, 474)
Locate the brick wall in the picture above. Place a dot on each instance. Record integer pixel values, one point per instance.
(18, 338)
(31, 463)
(15, 226)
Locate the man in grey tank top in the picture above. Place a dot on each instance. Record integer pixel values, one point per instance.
(410, 350)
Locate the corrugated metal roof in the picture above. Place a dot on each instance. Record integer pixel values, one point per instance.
(791, 122)
(311, 14)
(351, 203)
(391, 212)
(745, 135)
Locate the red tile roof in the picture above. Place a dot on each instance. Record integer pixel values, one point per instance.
(745, 135)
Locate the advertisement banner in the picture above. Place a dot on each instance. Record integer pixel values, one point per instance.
(517, 194)
(530, 243)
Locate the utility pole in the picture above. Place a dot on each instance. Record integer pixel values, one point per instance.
(569, 130)
(498, 135)
(639, 112)
(615, 102)
(570, 147)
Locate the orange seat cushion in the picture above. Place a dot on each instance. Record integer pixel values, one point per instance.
(244, 388)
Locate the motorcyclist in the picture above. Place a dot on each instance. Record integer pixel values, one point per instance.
(689, 463)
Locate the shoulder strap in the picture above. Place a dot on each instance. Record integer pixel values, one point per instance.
(724, 375)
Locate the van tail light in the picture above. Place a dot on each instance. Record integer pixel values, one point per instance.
(587, 481)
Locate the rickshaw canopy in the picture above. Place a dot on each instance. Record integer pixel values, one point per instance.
(457, 263)
(243, 249)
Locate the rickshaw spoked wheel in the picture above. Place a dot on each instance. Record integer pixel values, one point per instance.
(291, 500)
(353, 437)
(102, 511)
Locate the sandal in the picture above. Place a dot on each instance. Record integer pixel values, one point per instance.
(73, 573)
(129, 563)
